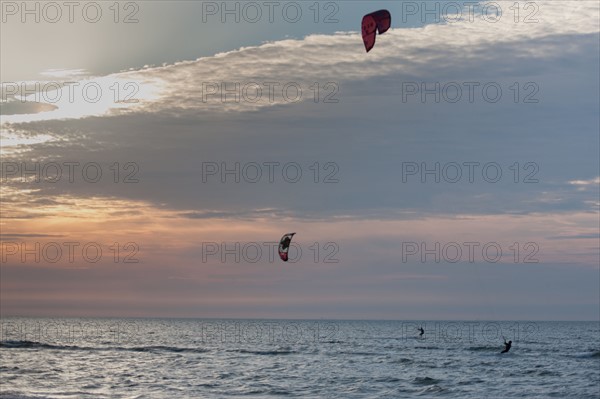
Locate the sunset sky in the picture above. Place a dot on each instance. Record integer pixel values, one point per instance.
(352, 151)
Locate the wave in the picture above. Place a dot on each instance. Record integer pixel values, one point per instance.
(433, 389)
(34, 345)
(5, 368)
(540, 372)
(265, 353)
(359, 353)
(425, 381)
(387, 379)
(484, 348)
(161, 349)
(16, 395)
(403, 360)
(39, 345)
(588, 355)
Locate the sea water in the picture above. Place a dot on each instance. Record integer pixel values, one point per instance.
(201, 358)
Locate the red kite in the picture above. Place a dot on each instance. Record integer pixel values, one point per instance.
(284, 246)
(376, 22)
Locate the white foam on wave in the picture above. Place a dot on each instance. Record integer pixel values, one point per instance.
(11, 395)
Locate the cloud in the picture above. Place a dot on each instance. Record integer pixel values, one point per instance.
(354, 188)
(13, 106)
(65, 73)
(432, 50)
(576, 237)
(19, 236)
(585, 182)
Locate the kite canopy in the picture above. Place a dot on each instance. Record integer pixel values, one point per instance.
(284, 246)
(376, 22)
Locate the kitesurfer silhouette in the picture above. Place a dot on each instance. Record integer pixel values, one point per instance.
(507, 346)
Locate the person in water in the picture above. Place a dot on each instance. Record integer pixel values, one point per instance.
(507, 346)
(422, 331)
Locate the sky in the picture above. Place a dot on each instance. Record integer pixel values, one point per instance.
(154, 153)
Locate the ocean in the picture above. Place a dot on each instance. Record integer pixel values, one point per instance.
(209, 358)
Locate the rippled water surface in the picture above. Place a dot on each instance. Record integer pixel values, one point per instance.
(171, 358)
